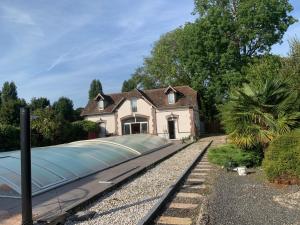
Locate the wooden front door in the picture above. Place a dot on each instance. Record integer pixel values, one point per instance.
(171, 128)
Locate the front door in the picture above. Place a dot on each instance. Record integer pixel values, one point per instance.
(135, 128)
(102, 132)
(171, 128)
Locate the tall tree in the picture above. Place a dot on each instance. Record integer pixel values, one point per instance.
(10, 112)
(39, 103)
(257, 24)
(9, 92)
(95, 89)
(211, 53)
(64, 108)
(291, 64)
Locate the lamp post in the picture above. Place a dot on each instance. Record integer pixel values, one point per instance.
(26, 166)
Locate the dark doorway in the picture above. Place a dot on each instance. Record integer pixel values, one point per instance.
(135, 128)
(171, 127)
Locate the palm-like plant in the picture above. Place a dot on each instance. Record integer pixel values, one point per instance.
(260, 111)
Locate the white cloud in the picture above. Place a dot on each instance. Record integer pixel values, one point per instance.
(14, 15)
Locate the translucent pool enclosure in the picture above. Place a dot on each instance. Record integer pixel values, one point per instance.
(57, 165)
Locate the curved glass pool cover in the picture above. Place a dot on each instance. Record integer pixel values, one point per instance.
(57, 165)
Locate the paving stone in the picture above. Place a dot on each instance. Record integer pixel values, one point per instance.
(195, 180)
(182, 206)
(195, 186)
(198, 174)
(204, 166)
(174, 220)
(203, 169)
(188, 195)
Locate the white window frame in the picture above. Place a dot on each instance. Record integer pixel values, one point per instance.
(171, 96)
(101, 104)
(136, 123)
(132, 101)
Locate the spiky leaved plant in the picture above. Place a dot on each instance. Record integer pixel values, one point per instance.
(259, 111)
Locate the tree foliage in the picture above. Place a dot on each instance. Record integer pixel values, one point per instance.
(10, 111)
(95, 89)
(44, 126)
(260, 111)
(291, 64)
(210, 54)
(39, 103)
(63, 108)
(9, 92)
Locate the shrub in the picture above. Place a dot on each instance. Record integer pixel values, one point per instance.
(260, 111)
(9, 137)
(81, 129)
(282, 158)
(231, 156)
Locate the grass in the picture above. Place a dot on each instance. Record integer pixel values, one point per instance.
(230, 155)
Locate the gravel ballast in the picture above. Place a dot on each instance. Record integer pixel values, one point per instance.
(131, 202)
(251, 200)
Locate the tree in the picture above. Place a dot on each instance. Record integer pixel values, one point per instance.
(9, 92)
(268, 66)
(64, 109)
(95, 89)
(211, 53)
(10, 111)
(257, 25)
(291, 64)
(44, 127)
(77, 113)
(260, 111)
(39, 103)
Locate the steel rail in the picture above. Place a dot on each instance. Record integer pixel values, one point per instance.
(167, 196)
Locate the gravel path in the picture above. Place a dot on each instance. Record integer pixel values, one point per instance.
(132, 201)
(250, 200)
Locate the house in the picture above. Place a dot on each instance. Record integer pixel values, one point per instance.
(170, 112)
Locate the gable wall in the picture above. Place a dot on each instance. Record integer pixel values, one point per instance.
(182, 125)
(143, 108)
(108, 119)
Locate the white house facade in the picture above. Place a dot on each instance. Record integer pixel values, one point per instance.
(170, 112)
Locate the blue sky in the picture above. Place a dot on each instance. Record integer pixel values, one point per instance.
(55, 48)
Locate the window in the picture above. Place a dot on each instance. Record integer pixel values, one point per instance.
(144, 128)
(134, 105)
(101, 104)
(171, 98)
(126, 129)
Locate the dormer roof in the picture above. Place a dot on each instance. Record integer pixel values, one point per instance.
(170, 88)
(99, 96)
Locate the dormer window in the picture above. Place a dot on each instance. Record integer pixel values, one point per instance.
(171, 97)
(101, 104)
(171, 92)
(133, 104)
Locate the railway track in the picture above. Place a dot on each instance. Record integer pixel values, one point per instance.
(181, 203)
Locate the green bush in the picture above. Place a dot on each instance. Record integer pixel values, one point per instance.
(230, 155)
(81, 129)
(9, 137)
(87, 126)
(282, 158)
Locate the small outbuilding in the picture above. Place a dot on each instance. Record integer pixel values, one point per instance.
(171, 112)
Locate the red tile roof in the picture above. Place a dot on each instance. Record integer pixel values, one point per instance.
(185, 97)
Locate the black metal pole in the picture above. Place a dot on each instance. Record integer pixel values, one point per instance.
(26, 167)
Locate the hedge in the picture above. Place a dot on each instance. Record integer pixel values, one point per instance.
(282, 159)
